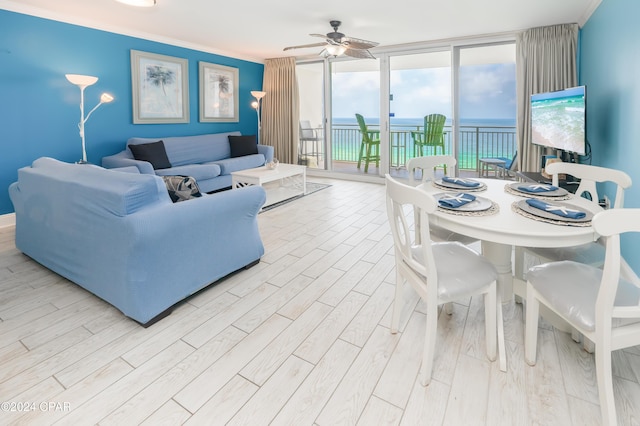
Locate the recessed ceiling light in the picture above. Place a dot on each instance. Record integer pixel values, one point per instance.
(139, 3)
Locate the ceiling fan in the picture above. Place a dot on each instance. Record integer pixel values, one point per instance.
(337, 43)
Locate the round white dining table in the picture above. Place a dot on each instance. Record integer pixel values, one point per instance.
(501, 231)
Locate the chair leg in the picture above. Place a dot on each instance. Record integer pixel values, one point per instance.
(531, 327)
(429, 344)
(367, 159)
(605, 382)
(490, 329)
(397, 302)
(361, 153)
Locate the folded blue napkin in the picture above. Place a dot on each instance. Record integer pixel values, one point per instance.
(454, 201)
(556, 209)
(462, 182)
(537, 188)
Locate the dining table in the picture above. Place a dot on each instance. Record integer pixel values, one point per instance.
(504, 226)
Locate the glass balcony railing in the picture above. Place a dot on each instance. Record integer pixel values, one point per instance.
(474, 142)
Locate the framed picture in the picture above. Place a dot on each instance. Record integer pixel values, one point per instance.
(160, 88)
(218, 93)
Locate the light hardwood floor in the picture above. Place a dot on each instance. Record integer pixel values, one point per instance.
(300, 339)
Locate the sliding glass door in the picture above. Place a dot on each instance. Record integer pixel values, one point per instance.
(472, 86)
(419, 85)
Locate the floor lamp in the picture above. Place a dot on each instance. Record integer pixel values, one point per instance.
(256, 105)
(84, 81)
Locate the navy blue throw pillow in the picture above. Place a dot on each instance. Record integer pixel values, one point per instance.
(243, 145)
(153, 152)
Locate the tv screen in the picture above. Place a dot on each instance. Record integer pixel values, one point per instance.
(558, 119)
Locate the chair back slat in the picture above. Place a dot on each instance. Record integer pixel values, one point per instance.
(589, 176)
(428, 164)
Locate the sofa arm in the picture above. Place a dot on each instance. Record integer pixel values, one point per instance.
(267, 151)
(122, 159)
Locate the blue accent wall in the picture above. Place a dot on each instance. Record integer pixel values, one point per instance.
(39, 108)
(610, 68)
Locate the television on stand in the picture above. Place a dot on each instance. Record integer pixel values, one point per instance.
(559, 121)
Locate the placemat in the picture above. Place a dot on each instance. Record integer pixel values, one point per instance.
(482, 187)
(510, 190)
(517, 209)
(495, 208)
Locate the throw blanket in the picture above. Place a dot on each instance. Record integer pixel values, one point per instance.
(181, 188)
(462, 182)
(537, 188)
(455, 201)
(555, 209)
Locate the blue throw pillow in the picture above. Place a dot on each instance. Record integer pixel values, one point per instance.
(243, 145)
(153, 152)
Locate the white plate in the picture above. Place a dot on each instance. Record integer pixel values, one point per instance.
(461, 187)
(548, 215)
(560, 192)
(477, 205)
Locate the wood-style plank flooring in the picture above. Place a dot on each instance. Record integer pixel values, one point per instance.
(302, 338)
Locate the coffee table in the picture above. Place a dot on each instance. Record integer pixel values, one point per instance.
(285, 173)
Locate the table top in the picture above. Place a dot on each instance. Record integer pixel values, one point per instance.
(509, 227)
(282, 170)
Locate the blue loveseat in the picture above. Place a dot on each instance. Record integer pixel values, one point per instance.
(206, 158)
(119, 236)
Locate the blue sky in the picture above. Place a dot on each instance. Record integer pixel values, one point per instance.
(487, 91)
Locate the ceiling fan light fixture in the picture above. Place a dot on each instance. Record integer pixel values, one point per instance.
(335, 49)
(139, 3)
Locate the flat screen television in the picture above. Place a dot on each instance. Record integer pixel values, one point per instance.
(559, 120)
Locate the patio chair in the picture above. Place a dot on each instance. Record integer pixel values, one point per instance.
(439, 272)
(313, 137)
(500, 165)
(370, 145)
(597, 303)
(432, 135)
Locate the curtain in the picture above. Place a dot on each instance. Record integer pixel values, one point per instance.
(280, 113)
(546, 61)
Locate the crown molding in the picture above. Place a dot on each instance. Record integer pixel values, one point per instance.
(588, 12)
(96, 25)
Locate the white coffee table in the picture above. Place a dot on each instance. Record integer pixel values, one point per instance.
(285, 173)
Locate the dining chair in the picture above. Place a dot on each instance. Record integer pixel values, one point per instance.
(426, 166)
(432, 135)
(590, 253)
(439, 272)
(596, 302)
(370, 142)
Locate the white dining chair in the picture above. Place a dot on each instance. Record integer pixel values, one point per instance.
(426, 167)
(596, 302)
(590, 253)
(438, 272)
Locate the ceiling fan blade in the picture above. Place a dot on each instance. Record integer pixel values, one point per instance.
(303, 46)
(356, 43)
(359, 53)
(318, 35)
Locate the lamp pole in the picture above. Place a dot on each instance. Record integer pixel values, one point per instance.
(84, 81)
(256, 105)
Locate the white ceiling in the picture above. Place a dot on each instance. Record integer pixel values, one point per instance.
(256, 30)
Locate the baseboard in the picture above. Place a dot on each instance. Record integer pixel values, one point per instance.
(7, 220)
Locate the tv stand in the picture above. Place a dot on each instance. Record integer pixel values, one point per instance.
(534, 177)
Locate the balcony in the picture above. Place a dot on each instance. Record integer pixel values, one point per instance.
(474, 142)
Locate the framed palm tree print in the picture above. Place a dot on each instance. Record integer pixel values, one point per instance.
(218, 93)
(160, 87)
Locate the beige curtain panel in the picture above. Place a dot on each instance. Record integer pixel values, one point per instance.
(280, 113)
(546, 61)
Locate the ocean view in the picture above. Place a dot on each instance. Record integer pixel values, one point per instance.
(479, 138)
